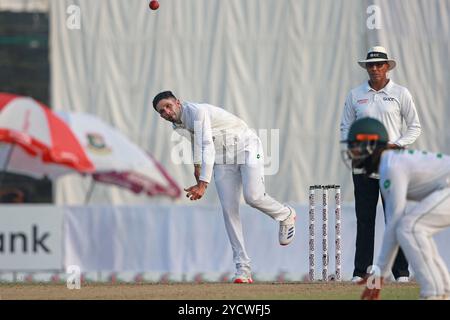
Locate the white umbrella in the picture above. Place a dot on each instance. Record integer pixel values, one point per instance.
(117, 160)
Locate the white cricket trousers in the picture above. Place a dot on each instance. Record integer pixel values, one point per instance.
(414, 233)
(230, 180)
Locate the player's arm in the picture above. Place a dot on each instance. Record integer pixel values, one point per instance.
(348, 117)
(409, 113)
(190, 137)
(204, 154)
(393, 186)
(197, 161)
(197, 169)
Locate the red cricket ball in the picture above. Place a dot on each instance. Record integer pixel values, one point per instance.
(154, 5)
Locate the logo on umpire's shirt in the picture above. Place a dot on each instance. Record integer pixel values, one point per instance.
(97, 144)
(388, 99)
(387, 184)
(363, 101)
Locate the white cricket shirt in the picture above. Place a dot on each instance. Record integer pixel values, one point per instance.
(407, 175)
(213, 132)
(391, 105)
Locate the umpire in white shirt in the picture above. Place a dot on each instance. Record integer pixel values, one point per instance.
(222, 143)
(392, 104)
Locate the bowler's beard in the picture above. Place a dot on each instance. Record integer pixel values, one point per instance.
(176, 119)
(178, 116)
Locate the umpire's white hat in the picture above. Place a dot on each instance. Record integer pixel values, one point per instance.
(377, 54)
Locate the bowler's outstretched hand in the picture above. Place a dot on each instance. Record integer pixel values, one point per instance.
(196, 192)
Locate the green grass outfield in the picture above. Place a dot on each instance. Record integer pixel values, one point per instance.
(204, 291)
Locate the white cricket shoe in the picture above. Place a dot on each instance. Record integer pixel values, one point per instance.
(287, 228)
(402, 280)
(242, 276)
(356, 279)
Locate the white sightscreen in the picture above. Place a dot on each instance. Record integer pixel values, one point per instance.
(284, 64)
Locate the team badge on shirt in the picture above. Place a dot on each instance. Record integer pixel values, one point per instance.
(362, 101)
(387, 184)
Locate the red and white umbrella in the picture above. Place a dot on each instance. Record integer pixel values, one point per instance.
(36, 136)
(38, 142)
(117, 159)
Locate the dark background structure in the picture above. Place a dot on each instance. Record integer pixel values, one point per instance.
(24, 70)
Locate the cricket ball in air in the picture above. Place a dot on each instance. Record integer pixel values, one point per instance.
(154, 5)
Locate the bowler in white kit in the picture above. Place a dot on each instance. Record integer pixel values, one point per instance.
(224, 145)
(406, 175)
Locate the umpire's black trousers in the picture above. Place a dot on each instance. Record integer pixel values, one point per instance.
(367, 191)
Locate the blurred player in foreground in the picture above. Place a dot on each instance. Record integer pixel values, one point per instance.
(223, 143)
(406, 175)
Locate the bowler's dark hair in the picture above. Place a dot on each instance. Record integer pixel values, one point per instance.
(162, 95)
